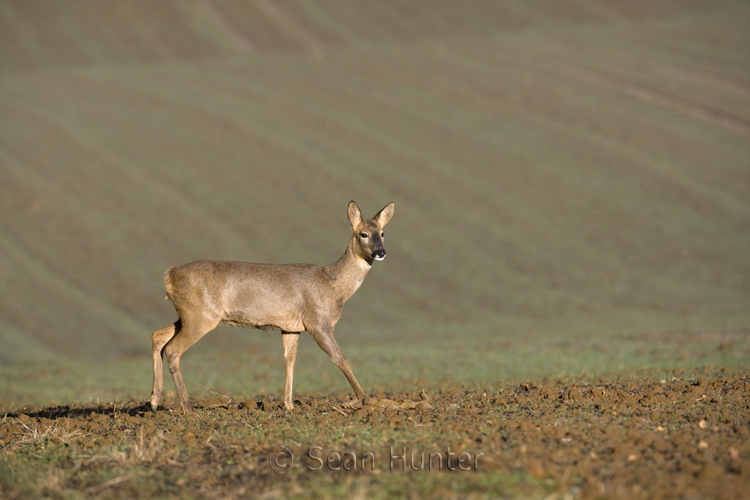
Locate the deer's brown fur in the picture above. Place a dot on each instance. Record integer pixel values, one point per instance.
(291, 298)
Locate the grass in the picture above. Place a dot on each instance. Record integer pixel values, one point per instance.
(244, 363)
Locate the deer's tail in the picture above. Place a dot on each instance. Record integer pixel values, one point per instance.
(168, 276)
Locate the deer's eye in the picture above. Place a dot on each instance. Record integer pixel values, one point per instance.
(364, 235)
(382, 235)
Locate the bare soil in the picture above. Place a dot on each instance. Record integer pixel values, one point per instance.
(632, 437)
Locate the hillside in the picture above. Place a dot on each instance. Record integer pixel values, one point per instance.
(567, 170)
(46, 33)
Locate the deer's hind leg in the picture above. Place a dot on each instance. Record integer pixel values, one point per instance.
(290, 341)
(192, 329)
(159, 339)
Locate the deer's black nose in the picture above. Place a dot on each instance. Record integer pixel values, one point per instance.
(378, 255)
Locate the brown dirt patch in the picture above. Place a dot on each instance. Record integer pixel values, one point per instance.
(686, 437)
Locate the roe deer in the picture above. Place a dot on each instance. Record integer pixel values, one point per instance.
(291, 298)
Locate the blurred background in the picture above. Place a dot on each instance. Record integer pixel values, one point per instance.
(571, 179)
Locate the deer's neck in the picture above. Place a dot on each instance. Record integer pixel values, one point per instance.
(348, 273)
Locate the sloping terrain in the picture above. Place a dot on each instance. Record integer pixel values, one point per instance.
(571, 181)
(567, 171)
(46, 33)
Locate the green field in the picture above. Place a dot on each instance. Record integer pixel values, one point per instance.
(571, 179)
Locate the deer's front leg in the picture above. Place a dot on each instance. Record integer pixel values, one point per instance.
(290, 341)
(325, 339)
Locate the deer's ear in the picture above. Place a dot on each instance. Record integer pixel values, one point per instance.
(385, 215)
(354, 214)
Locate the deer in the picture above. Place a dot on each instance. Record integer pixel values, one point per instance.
(290, 298)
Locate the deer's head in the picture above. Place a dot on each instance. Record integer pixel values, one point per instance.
(368, 234)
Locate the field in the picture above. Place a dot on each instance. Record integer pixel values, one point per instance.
(627, 437)
(571, 181)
